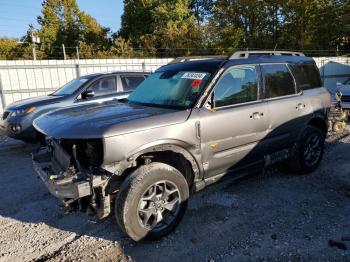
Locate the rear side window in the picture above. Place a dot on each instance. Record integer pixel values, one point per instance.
(131, 82)
(307, 76)
(237, 85)
(278, 80)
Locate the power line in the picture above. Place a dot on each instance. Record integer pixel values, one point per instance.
(12, 4)
(13, 19)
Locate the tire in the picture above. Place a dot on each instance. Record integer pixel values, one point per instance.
(142, 198)
(308, 151)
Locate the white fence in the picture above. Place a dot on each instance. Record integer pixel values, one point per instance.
(24, 79)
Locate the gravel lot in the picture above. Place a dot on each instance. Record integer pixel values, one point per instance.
(267, 217)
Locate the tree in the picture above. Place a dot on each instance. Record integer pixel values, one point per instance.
(7, 48)
(93, 34)
(162, 25)
(202, 10)
(137, 20)
(62, 22)
(121, 48)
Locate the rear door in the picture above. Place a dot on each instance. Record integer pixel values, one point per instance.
(287, 106)
(232, 134)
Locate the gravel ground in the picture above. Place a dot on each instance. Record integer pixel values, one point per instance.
(267, 217)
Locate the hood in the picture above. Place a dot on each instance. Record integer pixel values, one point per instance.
(344, 89)
(105, 120)
(35, 101)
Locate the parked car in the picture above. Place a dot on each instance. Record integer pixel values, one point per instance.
(342, 90)
(185, 127)
(18, 117)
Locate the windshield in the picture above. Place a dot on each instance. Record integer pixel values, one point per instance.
(70, 87)
(173, 89)
(347, 82)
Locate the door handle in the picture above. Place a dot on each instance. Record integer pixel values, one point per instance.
(256, 115)
(300, 106)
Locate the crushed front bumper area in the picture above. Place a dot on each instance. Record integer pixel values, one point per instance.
(61, 188)
(75, 190)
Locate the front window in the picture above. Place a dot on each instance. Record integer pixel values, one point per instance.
(237, 85)
(172, 89)
(104, 86)
(71, 87)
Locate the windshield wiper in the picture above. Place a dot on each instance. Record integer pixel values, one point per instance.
(123, 100)
(158, 105)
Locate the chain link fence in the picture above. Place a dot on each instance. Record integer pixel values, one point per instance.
(333, 70)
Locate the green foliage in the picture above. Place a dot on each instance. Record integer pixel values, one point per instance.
(121, 48)
(188, 27)
(160, 26)
(221, 26)
(10, 48)
(63, 23)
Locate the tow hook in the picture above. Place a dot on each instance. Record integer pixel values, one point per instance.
(69, 206)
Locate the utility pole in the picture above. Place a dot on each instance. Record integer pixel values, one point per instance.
(34, 52)
(338, 41)
(35, 40)
(64, 52)
(77, 49)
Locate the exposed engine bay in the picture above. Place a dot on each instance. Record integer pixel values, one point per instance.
(71, 171)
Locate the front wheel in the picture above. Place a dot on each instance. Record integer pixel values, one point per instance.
(151, 201)
(309, 151)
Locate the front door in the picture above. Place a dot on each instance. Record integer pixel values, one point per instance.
(104, 89)
(233, 134)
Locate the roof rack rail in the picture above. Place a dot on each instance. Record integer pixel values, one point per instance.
(246, 54)
(194, 58)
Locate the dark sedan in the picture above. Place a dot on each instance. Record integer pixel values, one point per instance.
(18, 117)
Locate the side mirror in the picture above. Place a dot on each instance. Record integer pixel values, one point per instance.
(87, 94)
(338, 84)
(211, 103)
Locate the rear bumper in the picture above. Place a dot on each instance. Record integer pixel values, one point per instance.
(61, 189)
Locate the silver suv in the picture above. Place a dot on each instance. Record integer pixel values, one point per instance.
(186, 126)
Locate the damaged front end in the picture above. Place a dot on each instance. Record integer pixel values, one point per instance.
(71, 171)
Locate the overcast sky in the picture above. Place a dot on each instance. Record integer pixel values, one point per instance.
(16, 15)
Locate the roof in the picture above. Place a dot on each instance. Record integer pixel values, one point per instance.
(213, 64)
(205, 65)
(90, 76)
(258, 59)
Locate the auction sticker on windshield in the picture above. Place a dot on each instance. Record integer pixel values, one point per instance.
(193, 75)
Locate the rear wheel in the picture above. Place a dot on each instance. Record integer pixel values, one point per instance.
(151, 201)
(309, 151)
